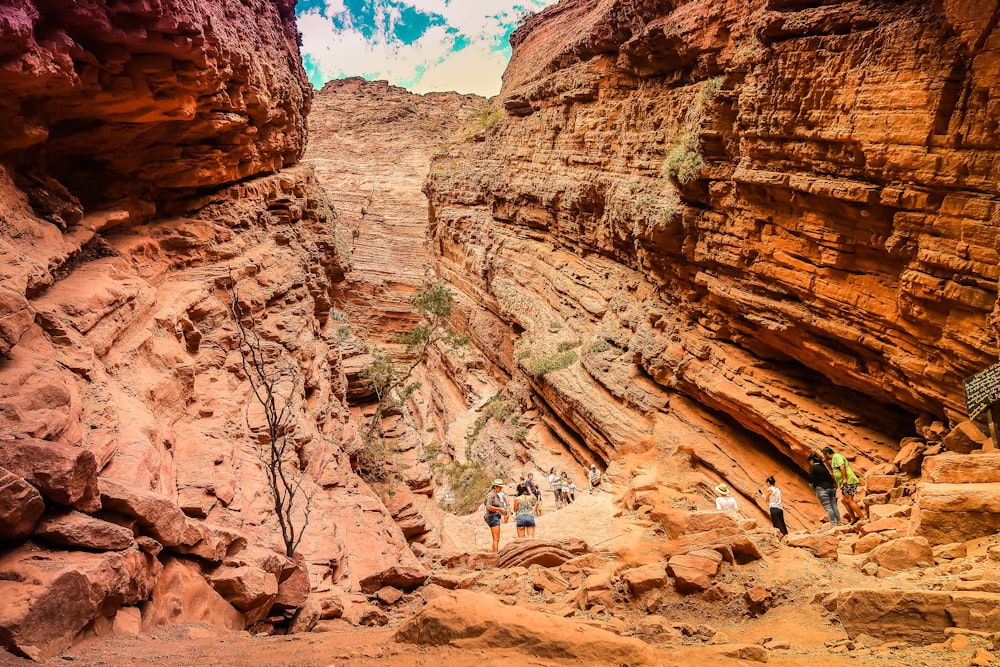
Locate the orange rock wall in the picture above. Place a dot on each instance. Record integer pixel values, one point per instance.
(147, 158)
(823, 272)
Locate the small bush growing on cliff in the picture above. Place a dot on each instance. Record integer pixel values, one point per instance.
(499, 407)
(555, 362)
(683, 161)
(469, 481)
(568, 345)
(391, 382)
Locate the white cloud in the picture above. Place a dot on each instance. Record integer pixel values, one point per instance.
(430, 62)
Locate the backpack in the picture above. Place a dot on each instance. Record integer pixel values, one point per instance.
(491, 501)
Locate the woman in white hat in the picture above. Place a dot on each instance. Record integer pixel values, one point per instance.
(495, 509)
(724, 500)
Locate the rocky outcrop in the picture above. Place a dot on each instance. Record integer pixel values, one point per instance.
(706, 223)
(149, 100)
(149, 204)
(486, 623)
(371, 145)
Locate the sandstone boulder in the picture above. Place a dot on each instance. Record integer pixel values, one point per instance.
(959, 469)
(881, 483)
(64, 474)
(910, 456)
(547, 580)
(949, 513)
(916, 616)
(868, 542)
(646, 578)
(208, 541)
(964, 438)
(699, 522)
(20, 506)
(950, 551)
(734, 545)
(157, 516)
(183, 596)
(478, 621)
(74, 529)
(693, 571)
(821, 546)
(547, 553)
(261, 557)
(898, 524)
(389, 595)
(902, 553)
(244, 587)
(50, 596)
(293, 585)
(331, 605)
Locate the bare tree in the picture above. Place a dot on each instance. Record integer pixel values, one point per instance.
(274, 387)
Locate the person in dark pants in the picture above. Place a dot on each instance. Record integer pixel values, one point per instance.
(825, 488)
(774, 506)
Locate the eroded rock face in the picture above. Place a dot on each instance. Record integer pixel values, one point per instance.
(739, 235)
(147, 100)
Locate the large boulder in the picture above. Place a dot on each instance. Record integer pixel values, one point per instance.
(961, 469)
(249, 589)
(949, 513)
(902, 553)
(183, 596)
(61, 473)
(547, 553)
(916, 616)
(208, 541)
(74, 529)
(20, 506)
(694, 571)
(482, 622)
(50, 596)
(157, 515)
(646, 578)
(821, 546)
(406, 578)
(734, 545)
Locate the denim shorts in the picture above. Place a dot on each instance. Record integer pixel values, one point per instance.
(525, 522)
(492, 520)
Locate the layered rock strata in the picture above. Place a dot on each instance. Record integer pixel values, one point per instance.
(735, 231)
(141, 204)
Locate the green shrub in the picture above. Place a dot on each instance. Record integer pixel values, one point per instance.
(525, 353)
(344, 332)
(520, 435)
(499, 407)
(598, 345)
(470, 482)
(568, 345)
(555, 362)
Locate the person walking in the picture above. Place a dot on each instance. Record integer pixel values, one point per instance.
(536, 492)
(554, 482)
(524, 512)
(774, 506)
(495, 509)
(724, 499)
(846, 481)
(565, 485)
(824, 487)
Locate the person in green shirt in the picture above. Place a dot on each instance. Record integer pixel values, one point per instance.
(846, 481)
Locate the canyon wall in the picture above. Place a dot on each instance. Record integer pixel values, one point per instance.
(733, 233)
(148, 186)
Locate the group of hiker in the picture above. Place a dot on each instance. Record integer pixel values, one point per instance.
(527, 502)
(825, 482)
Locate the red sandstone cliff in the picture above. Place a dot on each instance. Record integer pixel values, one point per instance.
(764, 227)
(140, 149)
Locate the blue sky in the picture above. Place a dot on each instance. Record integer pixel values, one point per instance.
(423, 45)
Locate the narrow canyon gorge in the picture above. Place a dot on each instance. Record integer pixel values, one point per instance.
(689, 244)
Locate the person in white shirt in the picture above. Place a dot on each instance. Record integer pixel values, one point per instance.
(724, 500)
(556, 485)
(774, 506)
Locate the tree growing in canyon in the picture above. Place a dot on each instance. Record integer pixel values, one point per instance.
(390, 379)
(274, 387)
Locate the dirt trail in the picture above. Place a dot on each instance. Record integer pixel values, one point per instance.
(588, 519)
